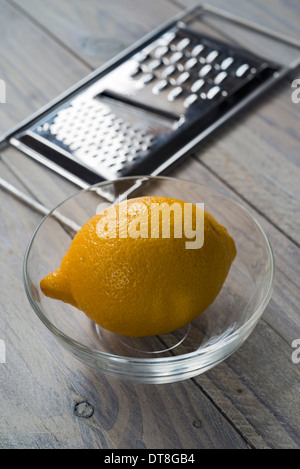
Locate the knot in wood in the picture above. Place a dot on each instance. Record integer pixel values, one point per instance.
(83, 409)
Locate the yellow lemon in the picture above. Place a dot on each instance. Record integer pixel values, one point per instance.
(133, 268)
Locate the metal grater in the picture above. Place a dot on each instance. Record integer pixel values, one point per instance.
(154, 104)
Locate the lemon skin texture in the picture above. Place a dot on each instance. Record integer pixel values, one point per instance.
(141, 286)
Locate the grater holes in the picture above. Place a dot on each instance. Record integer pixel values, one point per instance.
(100, 138)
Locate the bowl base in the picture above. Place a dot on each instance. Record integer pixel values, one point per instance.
(141, 346)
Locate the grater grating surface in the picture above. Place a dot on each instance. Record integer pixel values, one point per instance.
(103, 135)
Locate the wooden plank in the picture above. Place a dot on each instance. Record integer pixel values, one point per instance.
(46, 383)
(267, 352)
(39, 182)
(35, 70)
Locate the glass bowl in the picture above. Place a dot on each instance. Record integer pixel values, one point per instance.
(186, 352)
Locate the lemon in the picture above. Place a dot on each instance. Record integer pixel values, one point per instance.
(131, 279)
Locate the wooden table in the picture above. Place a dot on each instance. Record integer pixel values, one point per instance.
(47, 398)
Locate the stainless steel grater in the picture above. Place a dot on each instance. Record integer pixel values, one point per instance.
(101, 135)
(155, 103)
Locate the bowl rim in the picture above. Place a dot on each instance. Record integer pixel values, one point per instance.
(190, 356)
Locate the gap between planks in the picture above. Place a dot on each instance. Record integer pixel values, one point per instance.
(247, 201)
(47, 31)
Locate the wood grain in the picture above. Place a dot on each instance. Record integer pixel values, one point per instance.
(249, 401)
(272, 124)
(258, 158)
(30, 380)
